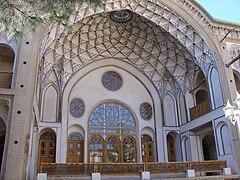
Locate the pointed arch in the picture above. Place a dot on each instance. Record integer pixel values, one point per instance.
(170, 110)
(50, 104)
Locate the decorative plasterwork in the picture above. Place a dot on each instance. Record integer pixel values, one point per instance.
(152, 50)
(164, 45)
(154, 11)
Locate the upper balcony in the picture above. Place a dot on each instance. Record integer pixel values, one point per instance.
(200, 109)
(6, 66)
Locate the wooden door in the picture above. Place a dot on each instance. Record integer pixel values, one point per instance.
(47, 149)
(75, 148)
(147, 148)
(75, 152)
(171, 148)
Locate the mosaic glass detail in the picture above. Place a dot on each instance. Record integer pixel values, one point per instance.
(111, 118)
(122, 16)
(75, 137)
(146, 111)
(129, 154)
(77, 107)
(96, 149)
(111, 80)
(48, 136)
(112, 148)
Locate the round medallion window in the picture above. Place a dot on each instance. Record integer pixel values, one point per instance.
(146, 111)
(77, 107)
(111, 80)
(121, 16)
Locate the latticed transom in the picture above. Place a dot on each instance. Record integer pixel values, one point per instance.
(47, 136)
(75, 137)
(146, 138)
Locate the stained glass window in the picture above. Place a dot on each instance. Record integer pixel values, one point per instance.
(111, 80)
(75, 137)
(111, 118)
(96, 149)
(129, 154)
(112, 148)
(146, 111)
(77, 107)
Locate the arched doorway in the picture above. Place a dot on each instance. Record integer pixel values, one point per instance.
(147, 148)
(2, 140)
(171, 148)
(209, 148)
(112, 134)
(75, 148)
(47, 148)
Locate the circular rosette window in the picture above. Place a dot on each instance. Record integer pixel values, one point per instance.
(111, 80)
(77, 107)
(146, 111)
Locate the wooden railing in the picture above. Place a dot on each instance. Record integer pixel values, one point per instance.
(121, 169)
(67, 169)
(5, 80)
(208, 166)
(201, 109)
(167, 167)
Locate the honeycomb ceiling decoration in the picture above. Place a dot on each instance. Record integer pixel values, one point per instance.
(156, 40)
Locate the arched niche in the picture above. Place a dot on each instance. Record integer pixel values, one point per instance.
(209, 147)
(174, 146)
(50, 104)
(169, 110)
(223, 139)
(148, 145)
(200, 88)
(189, 103)
(182, 109)
(215, 88)
(201, 95)
(7, 57)
(186, 148)
(76, 144)
(46, 147)
(76, 128)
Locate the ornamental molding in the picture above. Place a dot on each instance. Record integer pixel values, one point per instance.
(210, 24)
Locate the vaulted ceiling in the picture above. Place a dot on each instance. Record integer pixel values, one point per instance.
(151, 49)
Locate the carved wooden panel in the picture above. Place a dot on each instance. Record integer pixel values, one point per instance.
(208, 166)
(201, 109)
(67, 169)
(170, 167)
(120, 168)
